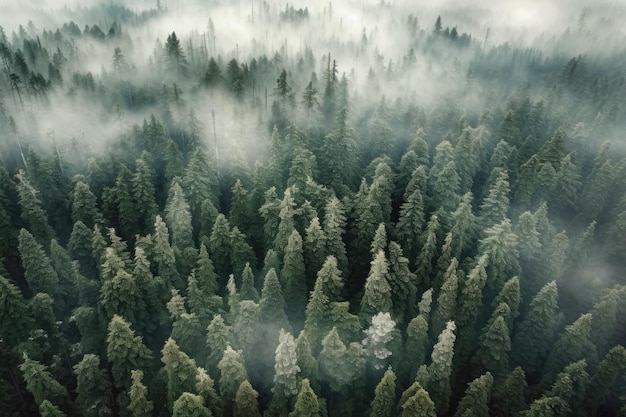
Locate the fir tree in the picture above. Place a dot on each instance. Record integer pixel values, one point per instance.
(440, 369)
(475, 403)
(246, 404)
(377, 296)
(190, 405)
(181, 371)
(125, 352)
(139, 405)
(384, 402)
(306, 403)
(40, 382)
(40, 275)
(93, 387)
(293, 278)
(285, 366)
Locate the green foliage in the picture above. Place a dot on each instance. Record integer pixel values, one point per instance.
(40, 382)
(125, 352)
(40, 275)
(246, 404)
(476, 399)
(93, 387)
(306, 402)
(384, 402)
(139, 405)
(190, 405)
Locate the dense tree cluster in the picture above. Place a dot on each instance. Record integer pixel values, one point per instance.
(380, 257)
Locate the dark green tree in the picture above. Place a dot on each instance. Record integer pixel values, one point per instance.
(93, 387)
(475, 402)
(139, 405)
(40, 275)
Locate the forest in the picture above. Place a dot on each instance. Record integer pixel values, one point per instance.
(313, 209)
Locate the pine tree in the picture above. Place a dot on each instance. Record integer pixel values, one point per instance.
(377, 296)
(84, 205)
(293, 278)
(40, 382)
(472, 293)
(220, 246)
(121, 295)
(605, 376)
(495, 206)
(40, 275)
(445, 307)
(241, 252)
(574, 344)
(314, 250)
(16, 320)
(190, 405)
(309, 368)
(246, 404)
(178, 217)
(384, 402)
(507, 399)
(205, 388)
(463, 226)
(418, 405)
(205, 272)
(332, 360)
(510, 295)
(411, 220)
(200, 181)
(533, 340)
(217, 340)
(495, 342)
(164, 255)
(424, 261)
(475, 403)
(181, 371)
(403, 284)
(139, 405)
(285, 366)
(143, 190)
(417, 344)
(33, 213)
(440, 369)
(47, 409)
(327, 290)
(125, 352)
(232, 374)
(307, 404)
(334, 228)
(248, 290)
(93, 387)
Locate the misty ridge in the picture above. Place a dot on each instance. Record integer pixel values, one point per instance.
(348, 208)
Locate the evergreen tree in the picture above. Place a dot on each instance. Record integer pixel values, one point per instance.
(293, 278)
(445, 308)
(143, 190)
(403, 284)
(495, 342)
(190, 405)
(139, 405)
(47, 409)
(533, 340)
(384, 402)
(605, 376)
(246, 404)
(377, 296)
(40, 275)
(33, 213)
(84, 205)
(220, 246)
(417, 344)
(440, 369)
(178, 217)
(285, 366)
(314, 250)
(508, 398)
(16, 321)
(205, 388)
(495, 206)
(307, 404)
(217, 340)
(475, 403)
(164, 255)
(248, 291)
(40, 382)
(327, 290)
(181, 371)
(232, 374)
(463, 226)
(125, 352)
(424, 261)
(309, 369)
(93, 387)
(334, 228)
(418, 405)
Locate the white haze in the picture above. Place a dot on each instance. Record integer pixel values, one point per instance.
(245, 31)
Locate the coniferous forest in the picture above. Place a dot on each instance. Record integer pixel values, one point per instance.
(356, 208)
